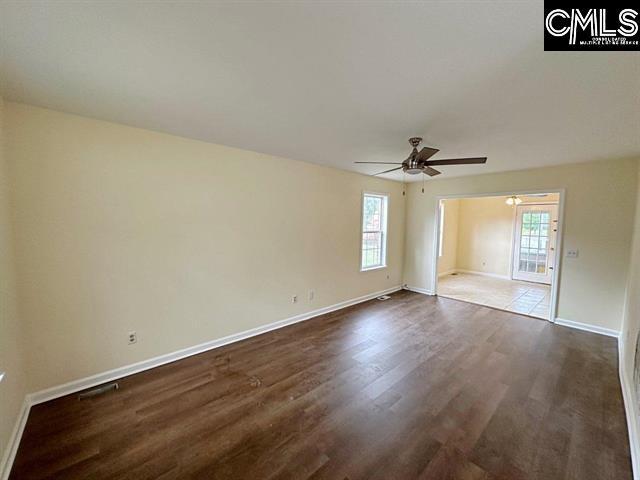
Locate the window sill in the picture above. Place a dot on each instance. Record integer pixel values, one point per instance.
(368, 269)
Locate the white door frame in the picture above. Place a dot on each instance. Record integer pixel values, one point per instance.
(555, 282)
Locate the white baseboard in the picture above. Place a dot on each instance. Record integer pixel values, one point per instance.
(448, 272)
(424, 291)
(484, 274)
(14, 440)
(100, 378)
(631, 410)
(587, 328)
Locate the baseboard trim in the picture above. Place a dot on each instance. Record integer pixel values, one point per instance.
(424, 291)
(587, 328)
(14, 440)
(100, 378)
(484, 274)
(631, 411)
(448, 272)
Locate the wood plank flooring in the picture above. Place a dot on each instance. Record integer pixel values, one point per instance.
(415, 387)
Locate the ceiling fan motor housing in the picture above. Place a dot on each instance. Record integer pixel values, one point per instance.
(411, 165)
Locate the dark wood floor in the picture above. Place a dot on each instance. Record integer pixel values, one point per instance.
(413, 387)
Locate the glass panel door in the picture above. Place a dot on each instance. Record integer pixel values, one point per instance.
(535, 242)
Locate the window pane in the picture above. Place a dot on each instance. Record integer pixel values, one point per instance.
(372, 213)
(371, 240)
(524, 241)
(544, 230)
(373, 231)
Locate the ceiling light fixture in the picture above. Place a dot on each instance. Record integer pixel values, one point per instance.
(513, 200)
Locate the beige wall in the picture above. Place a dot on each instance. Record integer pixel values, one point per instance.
(479, 233)
(13, 387)
(123, 229)
(448, 260)
(600, 201)
(485, 235)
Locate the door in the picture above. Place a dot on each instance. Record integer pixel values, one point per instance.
(534, 252)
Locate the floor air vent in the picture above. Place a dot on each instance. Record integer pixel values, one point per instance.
(98, 391)
(384, 297)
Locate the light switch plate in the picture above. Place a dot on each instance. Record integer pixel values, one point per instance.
(572, 253)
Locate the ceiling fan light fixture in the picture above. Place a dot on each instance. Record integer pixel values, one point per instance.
(513, 200)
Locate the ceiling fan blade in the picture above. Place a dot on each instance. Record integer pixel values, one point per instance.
(432, 172)
(458, 161)
(387, 171)
(383, 163)
(426, 153)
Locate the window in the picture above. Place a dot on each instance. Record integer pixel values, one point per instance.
(374, 231)
(441, 232)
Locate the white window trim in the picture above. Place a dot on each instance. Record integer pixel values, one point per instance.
(384, 229)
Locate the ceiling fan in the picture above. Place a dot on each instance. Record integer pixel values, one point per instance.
(418, 162)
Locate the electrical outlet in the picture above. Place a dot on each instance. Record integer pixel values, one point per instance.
(294, 299)
(133, 337)
(312, 294)
(572, 253)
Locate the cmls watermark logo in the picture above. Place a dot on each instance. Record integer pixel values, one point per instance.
(580, 28)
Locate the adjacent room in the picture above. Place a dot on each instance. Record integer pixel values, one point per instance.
(499, 251)
(318, 240)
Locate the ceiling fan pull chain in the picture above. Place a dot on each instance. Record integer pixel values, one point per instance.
(423, 183)
(404, 184)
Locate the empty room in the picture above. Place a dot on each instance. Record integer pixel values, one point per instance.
(319, 240)
(500, 251)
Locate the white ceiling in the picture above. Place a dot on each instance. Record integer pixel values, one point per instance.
(329, 82)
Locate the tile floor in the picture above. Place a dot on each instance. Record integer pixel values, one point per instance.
(516, 296)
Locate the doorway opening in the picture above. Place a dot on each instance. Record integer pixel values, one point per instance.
(500, 250)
